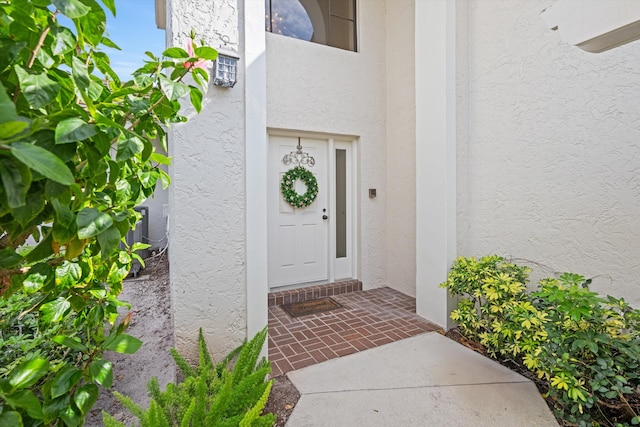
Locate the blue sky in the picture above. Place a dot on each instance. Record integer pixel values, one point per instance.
(134, 30)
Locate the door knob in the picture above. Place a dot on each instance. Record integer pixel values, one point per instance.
(325, 217)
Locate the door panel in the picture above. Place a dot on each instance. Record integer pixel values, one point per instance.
(298, 237)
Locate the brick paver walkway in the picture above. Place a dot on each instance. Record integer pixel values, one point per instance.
(368, 319)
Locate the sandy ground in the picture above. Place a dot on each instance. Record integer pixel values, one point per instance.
(150, 301)
(149, 296)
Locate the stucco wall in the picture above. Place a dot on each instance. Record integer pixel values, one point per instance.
(401, 145)
(554, 148)
(316, 88)
(207, 195)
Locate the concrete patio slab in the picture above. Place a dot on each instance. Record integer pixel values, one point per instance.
(426, 380)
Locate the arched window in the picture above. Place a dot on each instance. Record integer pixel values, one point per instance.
(328, 22)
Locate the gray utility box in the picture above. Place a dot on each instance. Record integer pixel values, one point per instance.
(139, 235)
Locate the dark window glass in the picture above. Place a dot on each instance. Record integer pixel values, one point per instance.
(329, 22)
(341, 203)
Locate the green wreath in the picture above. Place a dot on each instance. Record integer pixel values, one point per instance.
(287, 186)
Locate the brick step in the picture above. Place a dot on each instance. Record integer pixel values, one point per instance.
(313, 292)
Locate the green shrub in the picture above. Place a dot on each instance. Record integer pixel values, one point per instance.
(76, 156)
(210, 394)
(586, 347)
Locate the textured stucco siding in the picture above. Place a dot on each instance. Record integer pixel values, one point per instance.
(316, 88)
(554, 151)
(401, 145)
(207, 195)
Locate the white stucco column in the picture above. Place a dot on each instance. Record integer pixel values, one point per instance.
(207, 196)
(256, 164)
(435, 35)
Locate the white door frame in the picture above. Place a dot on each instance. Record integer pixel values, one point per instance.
(349, 267)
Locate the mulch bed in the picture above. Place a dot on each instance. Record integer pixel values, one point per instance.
(283, 398)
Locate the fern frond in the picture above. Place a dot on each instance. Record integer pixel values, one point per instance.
(248, 357)
(182, 363)
(203, 352)
(129, 404)
(210, 395)
(109, 421)
(188, 414)
(155, 416)
(254, 413)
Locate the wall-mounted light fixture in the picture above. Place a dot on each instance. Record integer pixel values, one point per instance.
(226, 71)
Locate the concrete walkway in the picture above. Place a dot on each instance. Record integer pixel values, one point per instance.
(426, 380)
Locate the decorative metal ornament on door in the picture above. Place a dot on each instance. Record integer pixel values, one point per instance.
(298, 157)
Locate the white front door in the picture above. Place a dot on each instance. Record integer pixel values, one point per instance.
(298, 237)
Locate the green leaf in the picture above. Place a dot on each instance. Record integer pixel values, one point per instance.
(175, 52)
(70, 417)
(65, 379)
(109, 43)
(102, 63)
(71, 8)
(101, 372)
(95, 90)
(43, 162)
(125, 344)
(127, 148)
(39, 276)
(72, 343)
(64, 215)
(65, 235)
(635, 420)
(196, 98)
(34, 204)
(200, 73)
(92, 24)
(160, 159)
(53, 408)
(16, 179)
(11, 129)
(206, 52)
(85, 397)
(27, 373)
(92, 222)
(165, 179)
(54, 311)
(148, 179)
(109, 241)
(111, 5)
(9, 258)
(7, 109)
(43, 250)
(11, 419)
(25, 399)
(173, 90)
(68, 274)
(73, 129)
(80, 73)
(38, 89)
(138, 246)
(45, 59)
(63, 40)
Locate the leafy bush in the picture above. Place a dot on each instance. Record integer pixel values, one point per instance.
(76, 156)
(586, 347)
(210, 395)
